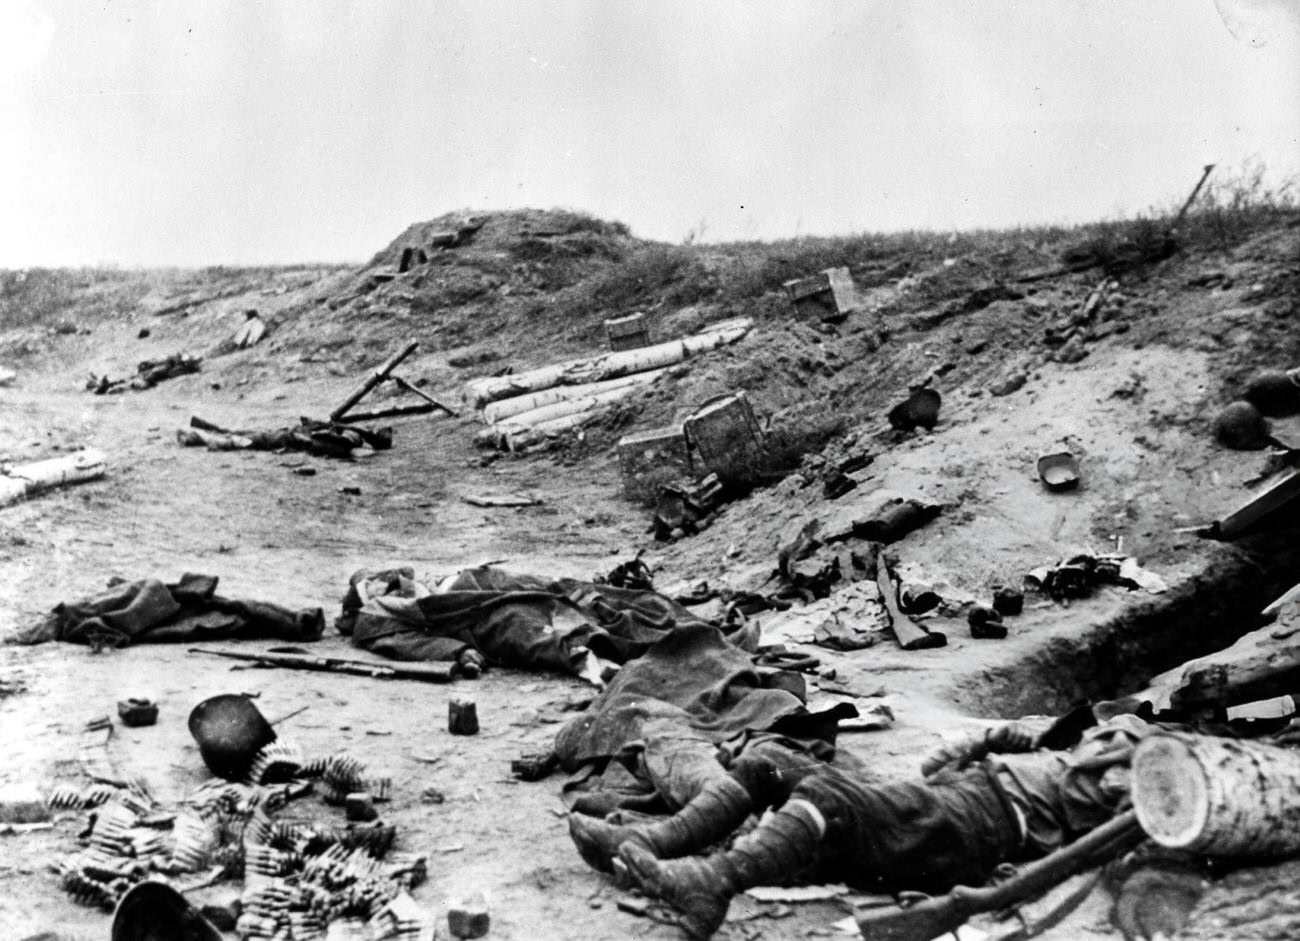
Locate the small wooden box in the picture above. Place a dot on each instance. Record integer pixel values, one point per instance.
(627, 333)
(829, 296)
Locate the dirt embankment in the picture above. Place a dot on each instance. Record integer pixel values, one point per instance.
(1131, 390)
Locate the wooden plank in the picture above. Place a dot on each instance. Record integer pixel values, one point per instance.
(1277, 495)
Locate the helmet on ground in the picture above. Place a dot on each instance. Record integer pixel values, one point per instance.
(154, 911)
(230, 732)
(1241, 427)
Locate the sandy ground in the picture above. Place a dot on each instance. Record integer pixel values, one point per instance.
(271, 534)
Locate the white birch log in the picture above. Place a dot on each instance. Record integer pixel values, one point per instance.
(1218, 796)
(516, 437)
(27, 480)
(540, 416)
(480, 392)
(507, 408)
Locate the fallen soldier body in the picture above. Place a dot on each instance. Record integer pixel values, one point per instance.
(996, 800)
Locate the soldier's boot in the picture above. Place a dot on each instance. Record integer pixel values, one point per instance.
(712, 814)
(701, 889)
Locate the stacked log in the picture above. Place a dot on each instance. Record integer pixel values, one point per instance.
(1217, 796)
(480, 392)
(504, 409)
(525, 408)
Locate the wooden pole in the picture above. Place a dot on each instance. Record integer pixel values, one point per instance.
(1217, 796)
(423, 408)
(403, 384)
(378, 376)
(1190, 199)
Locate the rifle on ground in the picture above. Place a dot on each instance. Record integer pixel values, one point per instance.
(936, 917)
(301, 661)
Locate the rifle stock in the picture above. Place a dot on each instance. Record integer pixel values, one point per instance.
(936, 917)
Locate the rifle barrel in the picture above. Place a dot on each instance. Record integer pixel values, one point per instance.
(935, 917)
(381, 671)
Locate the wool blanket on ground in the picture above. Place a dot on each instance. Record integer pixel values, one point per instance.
(690, 697)
(518, 620)
(150, 611)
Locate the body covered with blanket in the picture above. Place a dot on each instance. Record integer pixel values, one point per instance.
(152, 611)
(512, 619)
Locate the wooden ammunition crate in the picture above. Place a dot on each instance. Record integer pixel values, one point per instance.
(656, 450)
(725, 435)
(628, 333)
(829, 296)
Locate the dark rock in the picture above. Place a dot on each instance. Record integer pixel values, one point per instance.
(1012, 383)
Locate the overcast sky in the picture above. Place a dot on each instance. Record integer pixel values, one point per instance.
(190, 132)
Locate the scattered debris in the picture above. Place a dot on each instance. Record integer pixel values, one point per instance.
(919, 410)
(469, 918)
(23, 803)
(462, 717)
(797, 893)
(300, 878)
(137, 712)
(503, 500)
(686, 510)
(872, 717)
(1008, 601)
(1079, 575)
(250, 332)
(1059, 471)
(910, 635)
(535, 767)
(633, 573)
(986, 623)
